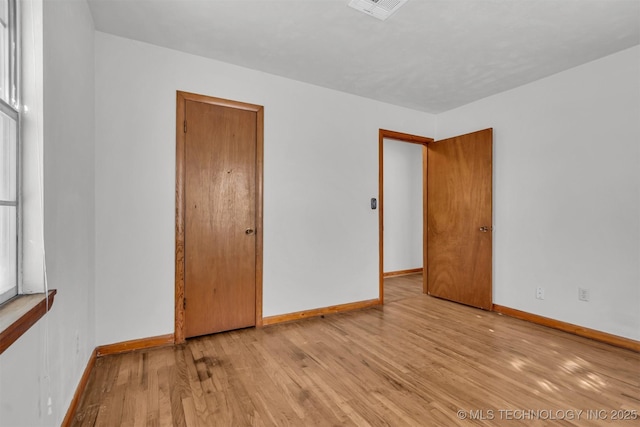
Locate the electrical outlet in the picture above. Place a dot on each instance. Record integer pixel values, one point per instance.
(540, 293)
(583, 294)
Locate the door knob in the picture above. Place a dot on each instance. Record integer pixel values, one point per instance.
(484, 229)
(249, 231)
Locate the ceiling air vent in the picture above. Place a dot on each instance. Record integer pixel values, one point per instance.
(381, 9)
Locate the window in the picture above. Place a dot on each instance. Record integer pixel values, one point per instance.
(9, 152)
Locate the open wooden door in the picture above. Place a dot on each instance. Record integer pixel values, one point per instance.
(459, 215)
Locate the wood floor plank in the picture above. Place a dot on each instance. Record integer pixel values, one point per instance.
(165, 413)
(415, 361)
(179, 389)
(195, 386)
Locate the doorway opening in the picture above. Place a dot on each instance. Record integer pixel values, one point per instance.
(457, 230)
(395, 271)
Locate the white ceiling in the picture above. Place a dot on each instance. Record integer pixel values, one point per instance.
(432, 55)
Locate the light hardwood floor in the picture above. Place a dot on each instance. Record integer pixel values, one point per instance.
(417, 361)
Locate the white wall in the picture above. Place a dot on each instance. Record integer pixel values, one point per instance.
(321, 169)
(49, 359)
(566, 192)
(402, 205)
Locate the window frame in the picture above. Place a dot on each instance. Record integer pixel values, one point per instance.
(10, 107)
(13, 54)
(30, 304)
(12, 114)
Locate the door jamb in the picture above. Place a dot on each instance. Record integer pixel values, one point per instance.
(413, 139)
(181, 100)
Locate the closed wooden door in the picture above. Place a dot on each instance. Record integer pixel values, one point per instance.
(220, 218)
(459, 230)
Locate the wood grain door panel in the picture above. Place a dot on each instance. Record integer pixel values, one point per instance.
(459, 203)
(220, 206)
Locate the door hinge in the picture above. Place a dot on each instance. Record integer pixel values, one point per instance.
(185, 126)
(184, 304)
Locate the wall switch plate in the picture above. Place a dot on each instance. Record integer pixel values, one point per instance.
(540, 293)
(374, 203)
